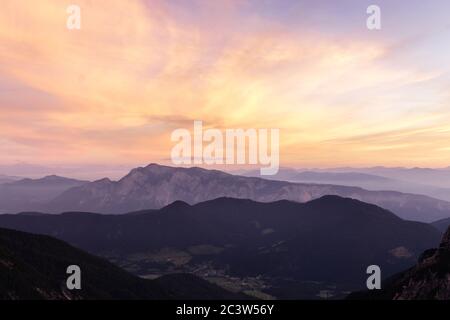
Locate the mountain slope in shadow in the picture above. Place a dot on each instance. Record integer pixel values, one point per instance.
(331, 239)
(442, 225)
(428, 280)
(34, 267)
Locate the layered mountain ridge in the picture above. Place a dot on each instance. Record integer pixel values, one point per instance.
(31, 194)
(156, 186)
(280, 245)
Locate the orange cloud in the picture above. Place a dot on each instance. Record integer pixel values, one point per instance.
(134, 71)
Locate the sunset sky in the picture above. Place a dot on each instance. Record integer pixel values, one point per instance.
(112, 92)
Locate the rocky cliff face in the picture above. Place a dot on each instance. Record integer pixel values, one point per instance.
(156, 186)
(428, 280)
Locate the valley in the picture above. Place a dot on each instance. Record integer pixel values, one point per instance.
(283, 249)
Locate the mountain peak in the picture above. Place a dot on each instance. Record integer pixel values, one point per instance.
(53, 177)
(51, 180)
(153, 164)
(102, 181)
(152, 168)
(156, 166)
(178, 205)
(334, 200)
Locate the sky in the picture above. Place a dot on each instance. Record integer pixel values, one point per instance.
(112, 92)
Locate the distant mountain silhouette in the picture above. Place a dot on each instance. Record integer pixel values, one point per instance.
(370, 179)
(442, 225)
(337, 176)
(156, 186)
(327, 240)
(425, 176)
(7, 179)
(30, 194)
(428, 280)
(34, 267)
(294, 175)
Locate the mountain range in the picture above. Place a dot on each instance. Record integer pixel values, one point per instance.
(31, 194)
(430, 182)
(33, 267)
(81, 172)
(279, 249)
(426, 176)
(156, 186)
(6, 179)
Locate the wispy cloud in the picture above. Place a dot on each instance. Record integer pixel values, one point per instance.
(114, 90)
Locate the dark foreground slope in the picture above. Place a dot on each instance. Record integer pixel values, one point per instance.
(428, 280)
(329, 240)
(34, 267)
